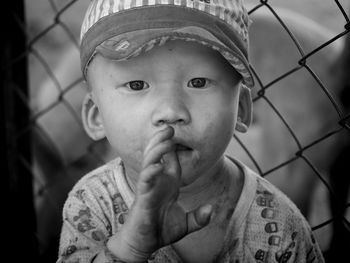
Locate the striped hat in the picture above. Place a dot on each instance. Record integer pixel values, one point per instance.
(122, 29)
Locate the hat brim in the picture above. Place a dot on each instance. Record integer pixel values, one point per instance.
(119, 39)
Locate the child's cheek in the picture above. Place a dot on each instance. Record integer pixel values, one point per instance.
(218, 134)
(135, 150)
(127, 142)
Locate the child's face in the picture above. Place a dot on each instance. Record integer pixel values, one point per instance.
(182, 84)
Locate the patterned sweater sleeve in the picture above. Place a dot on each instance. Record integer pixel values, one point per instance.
(91, 214)
(285, 234)
(306, 248)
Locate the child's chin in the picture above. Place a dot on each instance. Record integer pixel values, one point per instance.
(188, 157)
(187, 175)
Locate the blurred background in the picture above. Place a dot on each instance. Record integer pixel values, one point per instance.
(299, 139)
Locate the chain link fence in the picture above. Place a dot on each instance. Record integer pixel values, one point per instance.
(299, 139)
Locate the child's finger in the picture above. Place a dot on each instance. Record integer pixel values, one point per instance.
(148, 176)
(160, 136)
(198, 218)
(156, 153)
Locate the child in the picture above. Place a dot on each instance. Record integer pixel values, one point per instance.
(168, 84)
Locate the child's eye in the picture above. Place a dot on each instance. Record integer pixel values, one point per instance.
(197, 83)
(137, 85)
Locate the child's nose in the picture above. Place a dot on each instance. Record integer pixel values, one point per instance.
(170, 109)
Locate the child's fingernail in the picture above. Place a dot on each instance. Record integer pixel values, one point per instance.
(170, 128)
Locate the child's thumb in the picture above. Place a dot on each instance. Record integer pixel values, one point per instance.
(198, 218)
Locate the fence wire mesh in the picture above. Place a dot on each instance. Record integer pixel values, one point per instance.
(299, 138)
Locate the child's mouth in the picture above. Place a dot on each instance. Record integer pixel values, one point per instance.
(181, 147)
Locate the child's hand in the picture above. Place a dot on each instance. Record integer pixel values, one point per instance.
(156, 219)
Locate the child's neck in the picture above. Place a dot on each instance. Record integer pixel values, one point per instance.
(223, 181)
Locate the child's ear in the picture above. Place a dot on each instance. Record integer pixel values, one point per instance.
(245, 113)
(92, 120)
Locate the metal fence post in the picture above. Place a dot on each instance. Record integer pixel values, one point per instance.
(17, 203)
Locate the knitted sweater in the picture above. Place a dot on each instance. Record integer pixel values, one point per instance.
(265, 226)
